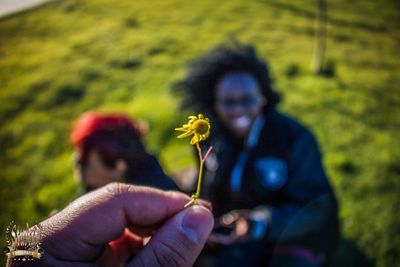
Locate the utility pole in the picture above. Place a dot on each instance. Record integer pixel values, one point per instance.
(320, 37)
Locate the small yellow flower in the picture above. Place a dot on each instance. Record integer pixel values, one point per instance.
(198, 126)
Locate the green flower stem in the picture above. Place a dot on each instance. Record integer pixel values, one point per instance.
(197, 194)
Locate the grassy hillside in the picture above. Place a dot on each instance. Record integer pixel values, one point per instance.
(68, 57)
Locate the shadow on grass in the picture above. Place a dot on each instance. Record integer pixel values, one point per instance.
(348, 254)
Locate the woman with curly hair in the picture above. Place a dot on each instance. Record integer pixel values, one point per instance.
(271, 198)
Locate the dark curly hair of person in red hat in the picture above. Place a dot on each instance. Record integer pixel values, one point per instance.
(109, 148)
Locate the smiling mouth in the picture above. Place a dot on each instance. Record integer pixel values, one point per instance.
(241, 122)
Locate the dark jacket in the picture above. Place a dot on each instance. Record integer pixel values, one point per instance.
(150, 173)
(282, 171)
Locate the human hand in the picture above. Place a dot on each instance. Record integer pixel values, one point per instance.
(93, 230)
(241, 226)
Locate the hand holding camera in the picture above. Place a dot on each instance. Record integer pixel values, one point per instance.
(241, 226)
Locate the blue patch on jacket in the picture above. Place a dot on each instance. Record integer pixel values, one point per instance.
(272, 172)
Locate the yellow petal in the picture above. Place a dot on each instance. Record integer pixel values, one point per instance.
(185, 135)
(194, 140)
(182, 129)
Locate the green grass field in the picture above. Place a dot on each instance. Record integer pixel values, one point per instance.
(68, 57)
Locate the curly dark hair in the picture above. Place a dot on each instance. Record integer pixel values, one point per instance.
(197, 89)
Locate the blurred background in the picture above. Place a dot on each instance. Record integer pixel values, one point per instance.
(336, 65)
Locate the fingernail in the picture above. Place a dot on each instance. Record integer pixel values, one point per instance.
(197, 223)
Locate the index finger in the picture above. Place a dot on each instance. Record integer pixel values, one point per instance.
(82, 228)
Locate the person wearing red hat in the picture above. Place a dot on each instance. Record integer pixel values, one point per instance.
(109, 148)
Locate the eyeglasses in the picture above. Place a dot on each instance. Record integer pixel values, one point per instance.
(246, 102)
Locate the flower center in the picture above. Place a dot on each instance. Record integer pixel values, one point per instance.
(200, 127)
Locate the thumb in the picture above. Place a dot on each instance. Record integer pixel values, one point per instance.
(179, 241)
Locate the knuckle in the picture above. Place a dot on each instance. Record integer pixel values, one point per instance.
(117, 189)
